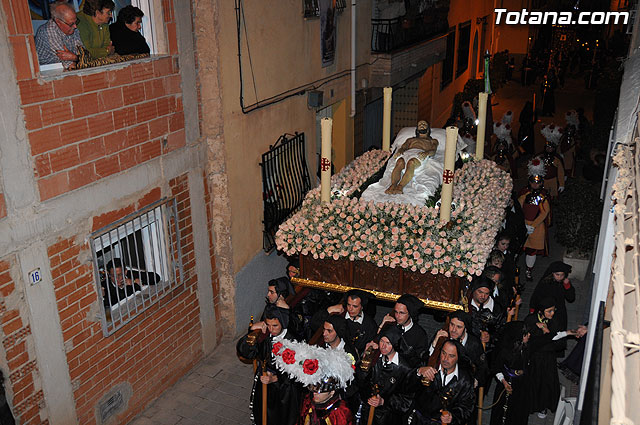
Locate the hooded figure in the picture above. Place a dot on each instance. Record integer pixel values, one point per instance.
(472, 347)
(414, 338)
(413, 304)
(339, 325)
(281, 285)
(555, 284)
(510, 368)
(546, 339)
(283, 393)
(388, 377)
(487, 315)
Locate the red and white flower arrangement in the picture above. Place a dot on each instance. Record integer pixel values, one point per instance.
(312, 365)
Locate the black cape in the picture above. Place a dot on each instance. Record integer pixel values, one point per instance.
(392, 380)
(283, 396)
(429, 399)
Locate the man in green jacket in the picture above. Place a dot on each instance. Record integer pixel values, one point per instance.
(93, 24)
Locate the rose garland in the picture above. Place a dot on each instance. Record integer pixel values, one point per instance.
(402, 235)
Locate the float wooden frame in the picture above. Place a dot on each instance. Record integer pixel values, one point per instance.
(435, 290)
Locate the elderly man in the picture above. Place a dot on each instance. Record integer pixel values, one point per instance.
(410, 156)
(93, 24)
(58, 40)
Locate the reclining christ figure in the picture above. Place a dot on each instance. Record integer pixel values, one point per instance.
(414, 172)
(410, 156)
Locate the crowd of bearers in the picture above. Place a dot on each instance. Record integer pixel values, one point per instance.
(401, 375)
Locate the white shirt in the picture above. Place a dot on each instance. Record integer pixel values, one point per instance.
(280, 337)
(488, 305)
(395, 359)
(340, 346)
(358, 318)
(405, 328)
(447, 378)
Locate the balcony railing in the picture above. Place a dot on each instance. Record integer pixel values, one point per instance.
(388, 35)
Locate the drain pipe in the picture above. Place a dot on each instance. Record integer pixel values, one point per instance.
(353, 58)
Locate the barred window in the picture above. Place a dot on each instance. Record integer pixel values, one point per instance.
(137, 262)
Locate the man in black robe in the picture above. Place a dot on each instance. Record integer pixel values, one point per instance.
(334, 330)
(384, 386)
(445, 395)
(414, 339)
(487, 316)
(458, 329)
(283, 394)
(361, 328)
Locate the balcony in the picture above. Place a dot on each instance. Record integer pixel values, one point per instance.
(405, 47)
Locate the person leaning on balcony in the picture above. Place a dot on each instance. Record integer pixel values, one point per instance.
(125, 32)
(58, 40)
(94, 31)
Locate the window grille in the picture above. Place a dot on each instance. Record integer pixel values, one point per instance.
(137, 262)
(285, 182)
(311, 8)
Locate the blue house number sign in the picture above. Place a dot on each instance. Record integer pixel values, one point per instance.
(35, 276)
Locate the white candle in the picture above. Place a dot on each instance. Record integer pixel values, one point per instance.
(325, 160)
(482, 124)
(446, 195)
(386, 119)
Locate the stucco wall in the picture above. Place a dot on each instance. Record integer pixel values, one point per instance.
(285, 54)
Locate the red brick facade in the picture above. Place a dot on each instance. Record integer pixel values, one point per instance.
(81, 128)
(152, 351)
(88, 125)
(17, 340)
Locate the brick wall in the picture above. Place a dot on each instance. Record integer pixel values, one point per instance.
(88, 125)
(22, 382)
(151, 352)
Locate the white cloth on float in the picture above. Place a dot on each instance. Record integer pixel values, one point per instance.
(427, 177)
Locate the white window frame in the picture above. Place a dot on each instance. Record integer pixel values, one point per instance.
(158, 227)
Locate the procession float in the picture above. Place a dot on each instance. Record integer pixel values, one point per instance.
(429, 239)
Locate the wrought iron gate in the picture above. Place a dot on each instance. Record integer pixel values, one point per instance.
(285, 182)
